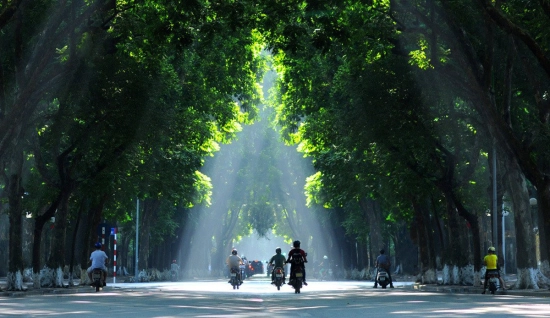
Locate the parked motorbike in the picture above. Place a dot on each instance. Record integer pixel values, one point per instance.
(493, 280)
(279, 277)
(382, 278)
(97, 279)
(235, 280)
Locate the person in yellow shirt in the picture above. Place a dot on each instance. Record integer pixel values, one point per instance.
(491, 263)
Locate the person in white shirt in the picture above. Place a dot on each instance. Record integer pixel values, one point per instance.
(174, 269)
(233, 261)
(98, 258)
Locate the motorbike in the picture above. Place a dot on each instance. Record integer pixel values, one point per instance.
(297, 280)
(325, 274)
(235, 280)
(97, 279)
(279, 277)
(269, 269)
(242, 269)
(493, 280)
(382, 277)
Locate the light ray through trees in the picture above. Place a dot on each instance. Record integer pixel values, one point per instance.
(258, 203)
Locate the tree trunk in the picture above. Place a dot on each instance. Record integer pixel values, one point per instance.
(373, 216)
(39, 223)
(426, 272)
(150, 208)
(73, 245)
(525, 238)
(56, 261)
(457, 258)
(186, 248)
(16, 192)
(89, 227)
(406, 253)
(543, 209)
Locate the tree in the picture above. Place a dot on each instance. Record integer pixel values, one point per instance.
(351, 106)
(163, 97)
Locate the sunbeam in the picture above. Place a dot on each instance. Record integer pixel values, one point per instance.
(258, 204)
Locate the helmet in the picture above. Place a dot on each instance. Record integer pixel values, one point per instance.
(325, 257)
(97, 245)
(173, 261)
(234, 252)
(278, 250)
(491, 249)
(296, 244)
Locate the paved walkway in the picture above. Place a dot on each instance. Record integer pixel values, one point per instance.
(477, 290)
(510, 281)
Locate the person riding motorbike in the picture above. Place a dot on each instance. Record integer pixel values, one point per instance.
(297, 257)
(98, 259)
(279, 260)
(245, 267)
(324, 267)
(491, 263)
(382, 261)
(175, 268)
(233, 262)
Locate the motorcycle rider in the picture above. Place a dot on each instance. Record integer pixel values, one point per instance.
(279, 261)
(324, 266)
(491, 262)
(297, 257)
(174, 267)
(233, 261)
(382, 261)
(98, 259)
(245, 270)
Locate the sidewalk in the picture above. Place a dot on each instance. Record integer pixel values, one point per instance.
(76, 288)
(46, 290)
(510, 281)
(454, 289)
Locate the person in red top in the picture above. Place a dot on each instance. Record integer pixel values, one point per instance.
(297, 257)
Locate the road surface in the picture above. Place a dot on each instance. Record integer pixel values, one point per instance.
(257, 298)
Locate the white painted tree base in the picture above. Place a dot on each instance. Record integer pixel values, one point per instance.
(428, 277)
(544, 268)
(49, 278)
(15, 281)
(531, 278)
(455, 275)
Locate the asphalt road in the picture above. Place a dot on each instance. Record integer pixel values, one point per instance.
(257, 298)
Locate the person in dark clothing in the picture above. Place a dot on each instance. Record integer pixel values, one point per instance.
(297, 257)
(383, 261)
(278, 260)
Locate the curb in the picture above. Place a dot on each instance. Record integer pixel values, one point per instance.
(48, 291)
(543, 293)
